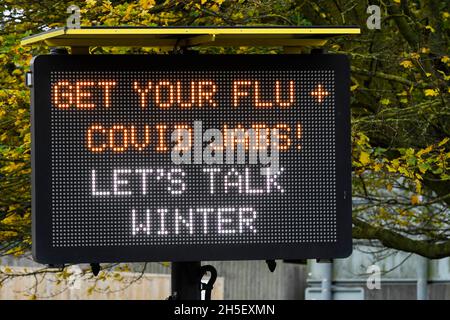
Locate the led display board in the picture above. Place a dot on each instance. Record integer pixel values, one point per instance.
(190, 157)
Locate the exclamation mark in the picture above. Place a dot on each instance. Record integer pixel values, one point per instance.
(299, 135)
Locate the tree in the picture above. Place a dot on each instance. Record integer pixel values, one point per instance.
(400, 110)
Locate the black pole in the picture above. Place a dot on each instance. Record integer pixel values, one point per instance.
(186, 280)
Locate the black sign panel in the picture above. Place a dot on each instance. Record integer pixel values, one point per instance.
(190, 157)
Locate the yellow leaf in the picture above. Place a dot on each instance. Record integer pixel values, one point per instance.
(443, 142)
(430, 28)
(128, 12)
(445, 59)
(424, 151)
(107, 5)
(431, 92)
(27, 138)
(335, 47)
(404, 171)
(146, 4)
(353, 88)
(446, 77)
(389, 187)
(385, 101)
(364, 158)
(428, 74)
(395, 163)
(425, 50)
(91, 3)
(415, 199)
(391, 169)
(406, 64)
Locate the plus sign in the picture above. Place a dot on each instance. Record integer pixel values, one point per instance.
(319, 93)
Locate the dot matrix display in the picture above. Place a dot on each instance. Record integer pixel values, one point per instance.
(148, 158)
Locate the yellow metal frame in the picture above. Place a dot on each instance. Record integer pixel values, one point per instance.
(188, 36)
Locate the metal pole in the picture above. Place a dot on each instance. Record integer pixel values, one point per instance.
(186, 280)
(326, 272)
(422, 278)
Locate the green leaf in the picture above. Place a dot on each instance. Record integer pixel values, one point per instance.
(423, 167)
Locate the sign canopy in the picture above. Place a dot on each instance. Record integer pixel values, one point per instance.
(190, 36)
(190, 157)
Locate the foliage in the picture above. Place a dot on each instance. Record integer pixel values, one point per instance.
(400, 109)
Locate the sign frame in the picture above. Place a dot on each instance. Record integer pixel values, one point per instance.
(42, 249)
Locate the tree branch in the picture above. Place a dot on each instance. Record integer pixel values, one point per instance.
(390, 239)
(386, 76)
(410, 35)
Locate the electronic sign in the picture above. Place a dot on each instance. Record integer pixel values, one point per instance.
(190, 157)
